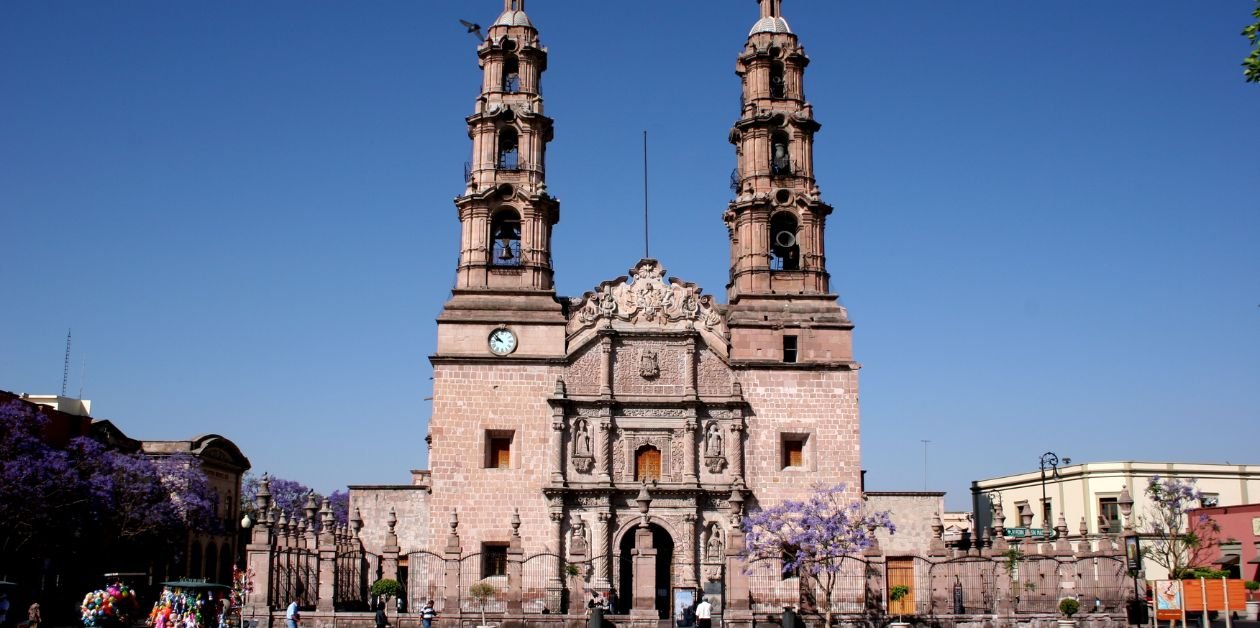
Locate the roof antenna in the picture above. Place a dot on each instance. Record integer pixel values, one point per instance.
(65, 367)
(82, 375)
(646, 252)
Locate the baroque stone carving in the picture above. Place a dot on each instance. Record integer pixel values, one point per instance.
(583, 451)
(619, 456)
(653, 412)
(648, 368)
(649, 300)
(714, 548)
(714, 454)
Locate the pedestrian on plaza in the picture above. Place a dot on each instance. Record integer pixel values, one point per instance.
(381, 620)
(427, 614)
(291, 615)
(704, 614)
(33, 617)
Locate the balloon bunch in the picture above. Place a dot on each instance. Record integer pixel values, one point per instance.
(177, 609)
(112, 606)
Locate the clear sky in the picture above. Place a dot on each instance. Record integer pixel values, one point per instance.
(1046, 227)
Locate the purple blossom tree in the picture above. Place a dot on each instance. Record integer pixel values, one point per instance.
(340, 502)
(42, 491)
(814, 537)
(1172, 536)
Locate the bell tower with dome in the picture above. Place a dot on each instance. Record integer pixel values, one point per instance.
(503, 302)
(781, 306)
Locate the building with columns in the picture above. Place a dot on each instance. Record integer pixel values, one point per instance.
(555, 417)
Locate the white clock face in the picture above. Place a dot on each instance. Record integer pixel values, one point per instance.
(502, 342)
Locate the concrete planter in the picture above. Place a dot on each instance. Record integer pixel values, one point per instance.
(1067, 623)
(1253, 610)
(899, 624)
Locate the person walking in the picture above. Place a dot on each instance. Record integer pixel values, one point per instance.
(291, 615)
(381, 620)
(704, 614)
(427, 614)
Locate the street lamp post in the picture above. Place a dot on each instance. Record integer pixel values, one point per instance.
(1049, 460)
(1137, 611)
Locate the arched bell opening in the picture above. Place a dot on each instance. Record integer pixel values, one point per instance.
(785, 247)
(505, 238)
(778, 84)
(780, 154)
(511, 74)
(509, 149)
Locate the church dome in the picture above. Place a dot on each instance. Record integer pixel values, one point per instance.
(513, 18)
(770, 25)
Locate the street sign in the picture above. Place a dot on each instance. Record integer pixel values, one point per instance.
(1029, 533)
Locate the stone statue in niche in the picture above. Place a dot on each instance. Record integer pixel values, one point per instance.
(714, 457)
(583, 454)
(713, 548)
(648, 367)
(713, 440)
(577, 537)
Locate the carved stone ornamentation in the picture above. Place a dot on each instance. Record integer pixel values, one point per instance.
(583, 447)
(619, 456)
(653, 412)
(714, 450)
(712, 573)
(649, 300)
(648, 367)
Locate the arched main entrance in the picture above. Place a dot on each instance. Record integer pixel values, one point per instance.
(664, 546)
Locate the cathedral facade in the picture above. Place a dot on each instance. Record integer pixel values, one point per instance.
(553, 417)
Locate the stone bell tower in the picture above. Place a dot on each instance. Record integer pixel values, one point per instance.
(505, 275)
(781, 306)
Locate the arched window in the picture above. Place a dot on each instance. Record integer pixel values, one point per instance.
(778, 85)
(511, 74)
(780, 155)
(647, 464)
(505, 238)
(785, 247)
(509, 149)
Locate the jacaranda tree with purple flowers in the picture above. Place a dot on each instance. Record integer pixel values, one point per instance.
(814, 537)
(1171, 536)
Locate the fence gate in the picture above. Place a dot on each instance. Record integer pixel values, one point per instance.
(541, 586)
(1038, 584)
(964, 585)
(426, 580)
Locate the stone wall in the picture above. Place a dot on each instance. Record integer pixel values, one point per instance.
(468, 401)
(912, 515)
(820, 405)
(411, 507)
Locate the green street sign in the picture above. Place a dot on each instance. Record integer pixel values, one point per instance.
(1027, 533)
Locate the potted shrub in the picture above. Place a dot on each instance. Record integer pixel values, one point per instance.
(1253, 604)
(897, 594)
(482, 592)
(1068, 607)
(384, 589)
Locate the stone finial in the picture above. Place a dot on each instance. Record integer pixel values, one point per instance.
(516, 522)
(938, 529)
(560, 389)
(737, 390)
(873, 549)
(391, 519)
(263, 498)
(356, 521)
(454, 522)
(1084, 526)
(310, 507)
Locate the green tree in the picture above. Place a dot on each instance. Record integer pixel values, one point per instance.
(1251, 65)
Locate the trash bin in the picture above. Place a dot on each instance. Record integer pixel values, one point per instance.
(789, 618)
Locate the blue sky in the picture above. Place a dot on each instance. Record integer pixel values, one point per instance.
(1046, 218)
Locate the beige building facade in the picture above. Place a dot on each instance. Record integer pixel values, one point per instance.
(1087, 495)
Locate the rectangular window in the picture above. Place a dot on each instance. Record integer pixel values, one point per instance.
(1210, 500)
(793, 451)
(789, 349)
(499, 449)
(1046, 521)
(1109, 512)
(493, 560)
